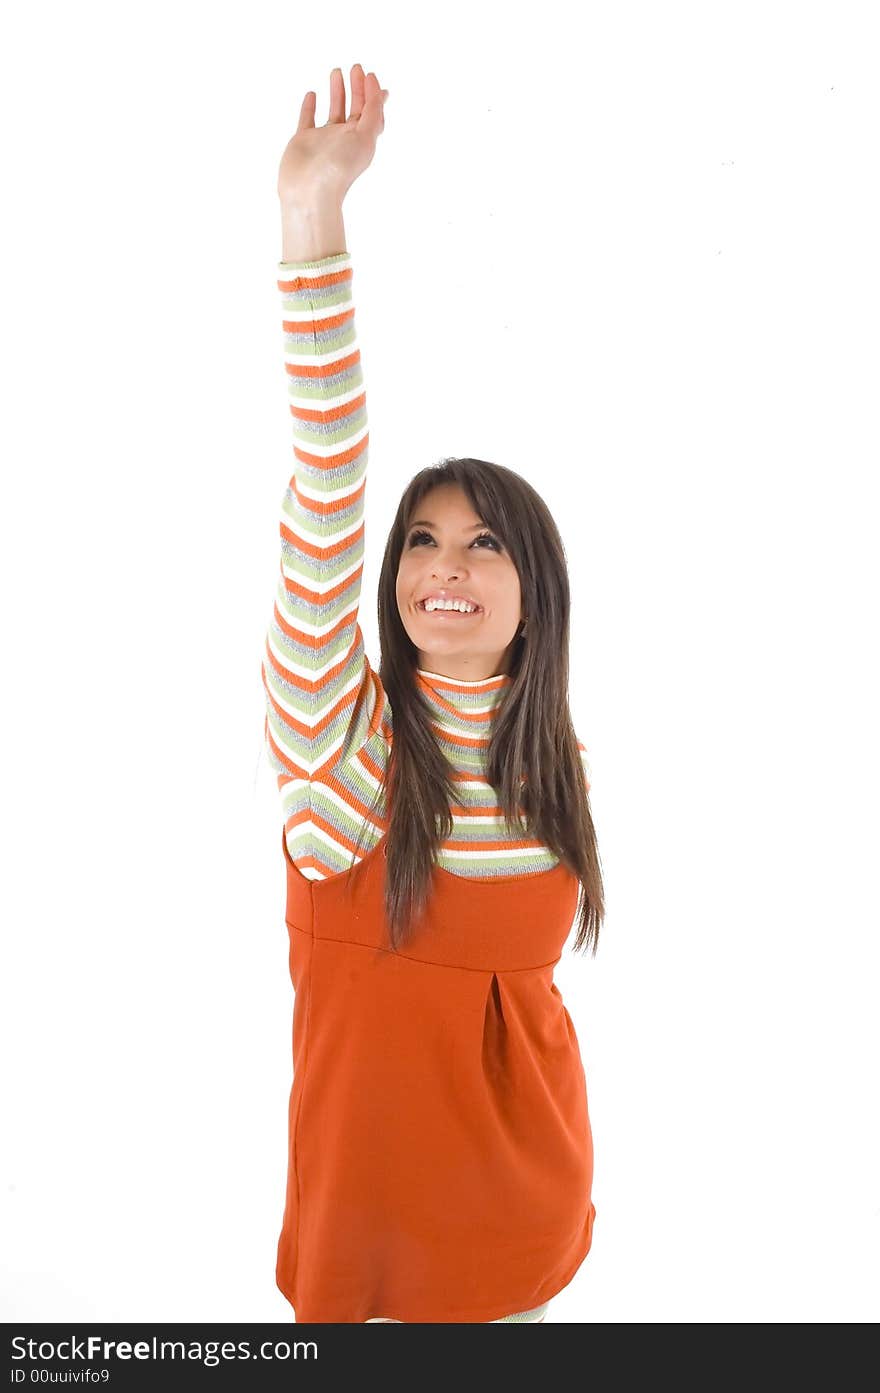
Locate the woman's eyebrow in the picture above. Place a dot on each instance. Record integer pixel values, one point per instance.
(423, 522)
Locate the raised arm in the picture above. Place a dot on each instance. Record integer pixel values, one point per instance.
(321, 696)
(314, 658)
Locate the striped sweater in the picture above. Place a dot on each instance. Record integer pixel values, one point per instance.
(329, 725)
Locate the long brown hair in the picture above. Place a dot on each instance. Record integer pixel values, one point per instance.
(532, 733)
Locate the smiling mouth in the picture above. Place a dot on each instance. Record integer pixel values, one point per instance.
(448, 613)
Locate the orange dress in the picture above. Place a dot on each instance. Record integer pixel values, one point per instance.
(440, 1153)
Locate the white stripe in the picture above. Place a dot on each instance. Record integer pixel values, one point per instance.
(455, 732)
(288, 789)
(304, 360)
(313, 715)
(307, 317)
(300, 529)
(297, 754)
(308, 831)
(316, 676)
(308, 871)
(327, 495)
(326, 840)
(287, 270)
(330, 448)
(289, 603)
(325, 403)
(365, 774)
(457, 681)
(331, 798)
(478, 853)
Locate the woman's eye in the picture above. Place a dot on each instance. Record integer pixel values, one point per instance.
(484, 536)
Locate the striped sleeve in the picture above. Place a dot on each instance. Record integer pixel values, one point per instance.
(321, 696)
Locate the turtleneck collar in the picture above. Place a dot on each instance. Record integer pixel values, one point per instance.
(462, 712)
(456, 690)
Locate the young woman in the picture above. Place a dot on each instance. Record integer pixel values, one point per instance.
(437, 838)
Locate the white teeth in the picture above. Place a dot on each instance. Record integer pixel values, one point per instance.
(460, 605)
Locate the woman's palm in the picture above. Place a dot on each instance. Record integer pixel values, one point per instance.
(331, 157)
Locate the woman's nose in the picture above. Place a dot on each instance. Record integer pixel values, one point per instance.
(451, 569)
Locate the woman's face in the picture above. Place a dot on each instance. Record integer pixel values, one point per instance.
(448, 550)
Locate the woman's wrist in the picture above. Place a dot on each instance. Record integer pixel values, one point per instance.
(312, 227)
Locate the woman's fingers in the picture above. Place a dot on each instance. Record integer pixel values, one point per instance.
(334, 158)
(374, 102)
(307, 112)
(366, 91)
(363, 91)
(357, 91)
(337, 96)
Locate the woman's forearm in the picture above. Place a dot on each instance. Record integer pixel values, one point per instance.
(312, 228)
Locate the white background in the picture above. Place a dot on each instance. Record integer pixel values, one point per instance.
(629, 250)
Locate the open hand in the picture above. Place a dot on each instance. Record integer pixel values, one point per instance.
(329, 158)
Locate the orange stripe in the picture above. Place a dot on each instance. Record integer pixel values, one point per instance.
(309, 863)
(303, 731)
(310, 688)
(363, 810)
(320, 598)
(315, 414)
(433, 691)
(478, 717)
(321, 321)
(365, 759)
(338, 836)
(288, 285)
(481, 717)
(318, 550)
(352, 803)
(312, 640)
(314, 372)
(333, 714)
(310, 732)
(306, 816)
(293, 770)
(342, 457)
(479, 810)
(306, 687)
(454, 685)
(476, 742)
(326, 509)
